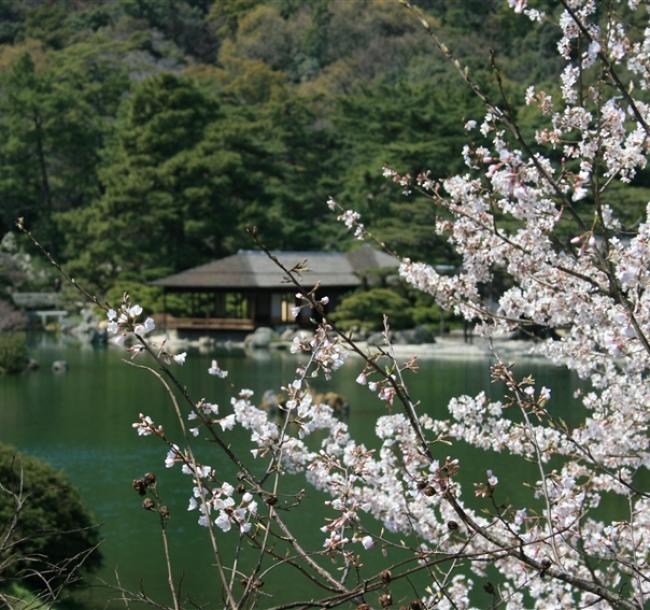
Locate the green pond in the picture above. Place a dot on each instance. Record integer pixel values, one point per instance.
(81, 423)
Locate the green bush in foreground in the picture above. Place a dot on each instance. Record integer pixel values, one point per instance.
(53, 526)
(13, 353)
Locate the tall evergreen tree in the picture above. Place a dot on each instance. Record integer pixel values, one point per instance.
(411, 128)
(182, 177)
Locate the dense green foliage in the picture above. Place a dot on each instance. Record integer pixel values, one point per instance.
(141, 137)
(13, 353)
(364, 309)
(53, 526)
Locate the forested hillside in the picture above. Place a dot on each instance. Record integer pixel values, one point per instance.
(140, 137)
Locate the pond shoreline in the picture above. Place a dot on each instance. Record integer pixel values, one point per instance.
(456, 348)
(448, 347)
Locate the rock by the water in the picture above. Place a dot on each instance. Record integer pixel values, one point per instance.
(423, 335)
(99, 337)
(206, 341)
(206, 344)
(376, 339)
(287, 334)
(33, 365)
(59, 366)
(88, 316)
(402, 337)
(273, 401)
(409, 336)
(260, 339)
(91, 329)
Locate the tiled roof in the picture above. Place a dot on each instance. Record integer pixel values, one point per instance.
(254, 269)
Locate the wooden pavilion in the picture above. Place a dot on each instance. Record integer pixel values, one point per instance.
(247, 290)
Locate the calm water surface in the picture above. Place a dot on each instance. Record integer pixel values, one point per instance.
(81, 423)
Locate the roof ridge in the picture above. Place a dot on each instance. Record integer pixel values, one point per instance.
(289, 252)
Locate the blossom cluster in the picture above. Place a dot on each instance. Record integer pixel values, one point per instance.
(229, 512)
(126, 320)
(127, 328)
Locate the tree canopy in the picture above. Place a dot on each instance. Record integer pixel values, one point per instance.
(177, 123)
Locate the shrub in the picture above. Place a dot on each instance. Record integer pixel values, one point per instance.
(53, 526)
(427, 314)
(13, 353)
(365, 308)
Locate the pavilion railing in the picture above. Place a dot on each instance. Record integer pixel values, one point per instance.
(172, 323)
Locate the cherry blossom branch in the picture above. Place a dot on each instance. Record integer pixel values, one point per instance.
(608, 65)
(230, 454)
(543, 567)
(273, 514)
(163, 516)
(192, 463)
(505, 374)
(274, 465)
(557, 573)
